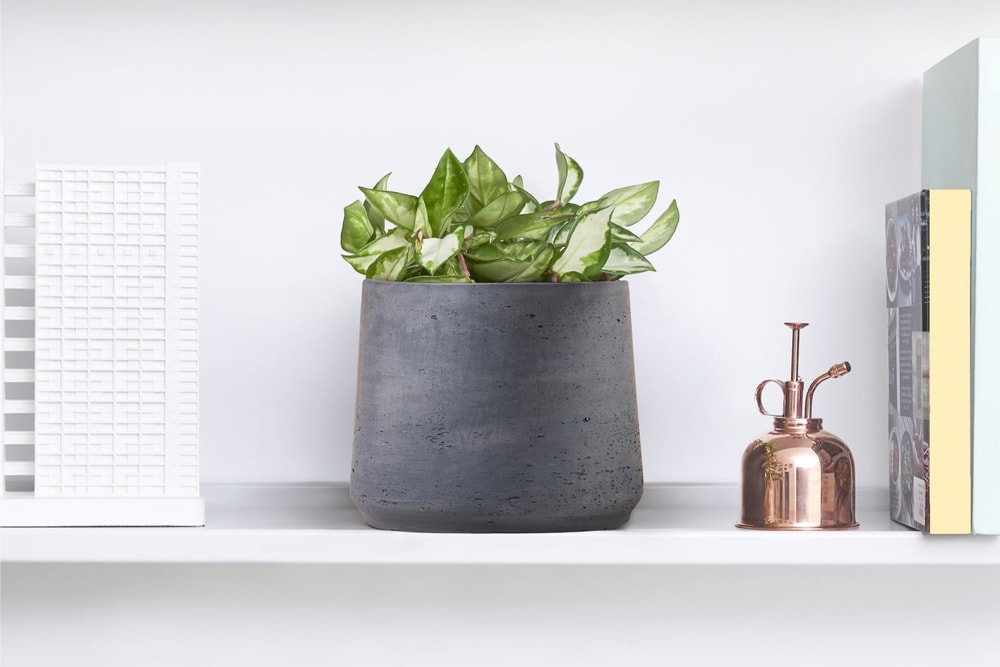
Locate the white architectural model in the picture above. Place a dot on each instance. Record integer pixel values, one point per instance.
(116, 351)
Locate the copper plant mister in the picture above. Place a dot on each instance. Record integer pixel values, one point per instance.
(797, 476)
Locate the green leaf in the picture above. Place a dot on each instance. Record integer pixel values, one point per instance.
(434, 252)
(391, 265)
(366, 256)
(480, 237)
(570, 176)
(531, 204)
(523, 250)
(439, 279)
(356, 231)
(360, 263)
(623, 260)
(397, 238)
(536, 268)
(502, 207)
(499, 271)
(445, 192)
(453, 267)
(484, 253)
(374, 215)
(588, 247)
(631, 203)
(421, 219)
(462, 215)
(553, 206)
(486, 179)
(660, 231)
(619, 233)
(397, 207)
(559, 234)
(511, 236)
(530, 226)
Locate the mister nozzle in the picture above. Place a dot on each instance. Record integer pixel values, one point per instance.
(837, 370)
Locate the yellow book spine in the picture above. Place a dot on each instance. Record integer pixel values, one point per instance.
(950, 343)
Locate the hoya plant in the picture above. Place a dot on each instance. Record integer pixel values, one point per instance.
(473, 224)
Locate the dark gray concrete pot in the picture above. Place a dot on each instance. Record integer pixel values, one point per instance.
(496, 407)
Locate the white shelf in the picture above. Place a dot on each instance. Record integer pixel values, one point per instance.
(315, 523)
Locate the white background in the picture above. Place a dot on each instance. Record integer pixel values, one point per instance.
(781, 127)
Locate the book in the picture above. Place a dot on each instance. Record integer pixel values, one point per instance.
(928, 296)
(961, 149)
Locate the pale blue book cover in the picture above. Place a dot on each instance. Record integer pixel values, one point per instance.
(961, 149)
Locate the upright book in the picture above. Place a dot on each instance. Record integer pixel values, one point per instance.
(928, 294)
(961, 149)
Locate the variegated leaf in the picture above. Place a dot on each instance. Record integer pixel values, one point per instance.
(397, 207)
(559, 234)
(631, 203)
(623, 260)
(457, 278)
(536, 268)
(365, 257)
(486, 179)
(588, 247)
(357, 231)
(619, 233)
(660, 231)
(391, 265)
(499, 271)
(530, 226)
(374, 215)
(360, 263)
(445, 192)
(434, 252)
(484, 253)
(530, 203)
(502, 207)
(453, 267)
(421, 219)
(523, 250)
(397, 238)
(462, 215)
(570, 176)
(479, 237)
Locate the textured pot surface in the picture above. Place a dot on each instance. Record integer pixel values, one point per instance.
(496, 407)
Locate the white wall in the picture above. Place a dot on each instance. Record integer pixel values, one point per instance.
(781, 127)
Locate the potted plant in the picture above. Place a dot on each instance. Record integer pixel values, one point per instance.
(496, 388)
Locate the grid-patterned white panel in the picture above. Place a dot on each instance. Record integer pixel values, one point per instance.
(116, 357)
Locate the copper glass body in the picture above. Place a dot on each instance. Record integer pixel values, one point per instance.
(797, 476)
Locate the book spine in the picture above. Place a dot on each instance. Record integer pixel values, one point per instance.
(949, 482)
(986, 429)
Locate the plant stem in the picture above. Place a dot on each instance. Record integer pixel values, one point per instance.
(465, 268)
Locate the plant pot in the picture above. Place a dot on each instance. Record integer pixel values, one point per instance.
(496, 407)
